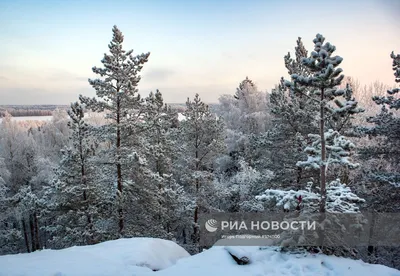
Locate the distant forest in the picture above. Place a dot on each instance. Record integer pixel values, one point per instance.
(30, 110)
(46, 110)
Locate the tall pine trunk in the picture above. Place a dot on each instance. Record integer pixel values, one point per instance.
(322, 214)
(119, 170)
(323, 155)
(36, 226)
(32, 228)
(196, 209)
(25, 235)
(84, 183)
(299, 169)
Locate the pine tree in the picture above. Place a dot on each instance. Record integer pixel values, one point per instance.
(387, 125)
(153, 190)
(73, 196)
(321, 86)
(117, 96)
(294, 109)
(295, 115)
(161, 156)
(202, 141)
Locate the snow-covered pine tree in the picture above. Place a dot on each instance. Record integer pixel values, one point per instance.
(294, 115)
(323, 81)
(387, 125)
(72, 200)
(340, 199)
(117, 96)
(162, 156)
(202, 141)
(294, 109)
(160, 148)
(304, 205)
(80, 143)
(153, 190)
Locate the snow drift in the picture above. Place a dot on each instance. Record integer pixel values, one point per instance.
(140, 256)
(111, 258)
(268, 262)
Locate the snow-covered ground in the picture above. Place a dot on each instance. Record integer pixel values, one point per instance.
(121, 257)
(140, 256)
(269, 262)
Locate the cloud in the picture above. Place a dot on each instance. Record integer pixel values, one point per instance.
(3, 78)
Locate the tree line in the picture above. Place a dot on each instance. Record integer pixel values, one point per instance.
(29, 110)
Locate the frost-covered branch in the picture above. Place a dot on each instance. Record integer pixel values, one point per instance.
(340, 199)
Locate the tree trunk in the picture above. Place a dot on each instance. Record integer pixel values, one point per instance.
(299, 169)
(45, 235)
(25, 236)
(32, 227)
(323, 155)
(298, 177)
(196, 213)
(184, 236)
(84, 183)
(119, 170)
(322, 215)
(371, 249)
(36, 226)
(196, 210)
(195, 218)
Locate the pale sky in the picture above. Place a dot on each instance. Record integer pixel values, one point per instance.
(48, 47)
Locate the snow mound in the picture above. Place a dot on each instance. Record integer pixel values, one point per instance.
(218, 261)
(140, 256)
(135, 256)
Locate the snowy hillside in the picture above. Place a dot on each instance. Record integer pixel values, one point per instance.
(140, 256)
(119, 257)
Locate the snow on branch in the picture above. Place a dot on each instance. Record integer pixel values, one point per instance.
(338, 150)
(340, 198)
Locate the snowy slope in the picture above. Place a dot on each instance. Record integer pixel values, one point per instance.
(134, 256)
(217, 261)
(119, 257)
